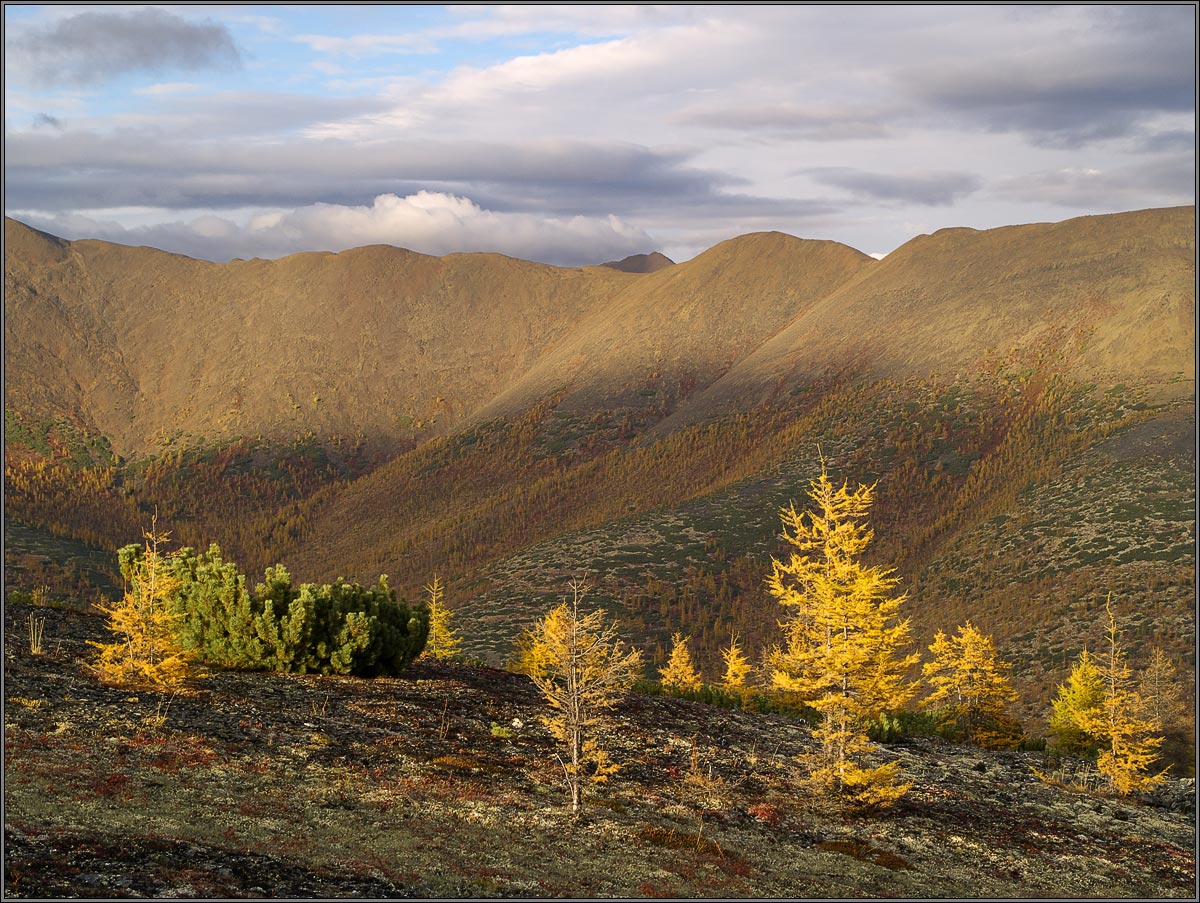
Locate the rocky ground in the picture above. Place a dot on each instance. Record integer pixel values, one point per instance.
(443, 783)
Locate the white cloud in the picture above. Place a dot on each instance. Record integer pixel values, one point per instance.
(167, 89)
(690, 123)
(427, 222)
(368, 44)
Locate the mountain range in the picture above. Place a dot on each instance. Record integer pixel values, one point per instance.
(1023, 397)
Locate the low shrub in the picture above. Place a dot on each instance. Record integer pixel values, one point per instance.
(339, 628)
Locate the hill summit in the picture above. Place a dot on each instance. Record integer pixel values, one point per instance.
(641, 263)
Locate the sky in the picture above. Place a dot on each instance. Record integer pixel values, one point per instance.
(578, 134)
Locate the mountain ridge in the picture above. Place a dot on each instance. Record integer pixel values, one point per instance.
(483, 334)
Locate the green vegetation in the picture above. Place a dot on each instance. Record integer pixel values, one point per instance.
(340, 628)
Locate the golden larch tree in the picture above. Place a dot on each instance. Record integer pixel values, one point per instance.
(969, 687)
(679, 672)
(1081, 696)
(148, 652)
(444, 641)
(1162, 692)
(582, 668)
(737, 666)
(1129, 736)
(1167, 703)
(844, 638)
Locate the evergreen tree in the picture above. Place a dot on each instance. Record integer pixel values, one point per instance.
(843, 638)
(970, 688)
(581, 667)
(216, 614)
(444, 641)
(679, 673)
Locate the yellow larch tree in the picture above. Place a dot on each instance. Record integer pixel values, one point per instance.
(680, 673)
(844, 638)
(147, 653)
(1081, 696)
(737, 666)
(1167, 703)
(1163, 694)
(444, 641)
(970, 688)
(581, 667)
(1129, 736)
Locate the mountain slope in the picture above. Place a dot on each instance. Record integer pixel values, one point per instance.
(376, 341)
(1113, 295)
(389, 345)
(1020, 396)
(674, 331)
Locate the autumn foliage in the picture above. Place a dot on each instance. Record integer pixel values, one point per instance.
(145, 620)
(680, 674)
(1128, 733)
(970, 688)
(444, 641)
(582, 668)
(845, 641)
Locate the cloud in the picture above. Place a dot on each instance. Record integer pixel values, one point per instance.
(1168, 180)
(694, 123)
(1168, 140)
(932, 189)
(810, 122)
(94, 47)
(46, 121)
(427, 222)
(143, 166)
(368, 44)
(167, 89)
(1094, 74)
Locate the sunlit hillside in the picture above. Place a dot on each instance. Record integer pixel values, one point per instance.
(1024, 398)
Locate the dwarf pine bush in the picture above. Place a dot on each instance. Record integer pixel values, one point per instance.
(339, 628)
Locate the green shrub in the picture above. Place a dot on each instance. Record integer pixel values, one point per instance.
(217, 615)
(340, 628)
(893, 726)
(343, 628)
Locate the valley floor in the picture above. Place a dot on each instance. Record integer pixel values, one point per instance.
(442, 783)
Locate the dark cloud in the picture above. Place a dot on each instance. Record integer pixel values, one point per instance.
(932, 189)
(792, 120)
(46, 121)
(1169, 141)
(1098, 84)
(90, 171)
(94, 47)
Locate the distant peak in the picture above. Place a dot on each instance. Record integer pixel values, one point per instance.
(641, 263)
